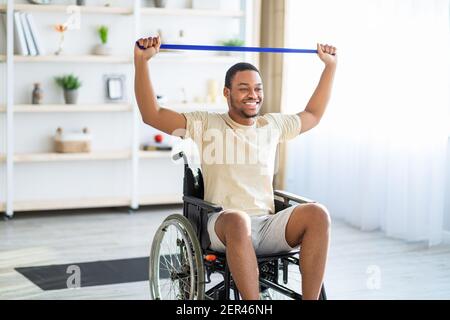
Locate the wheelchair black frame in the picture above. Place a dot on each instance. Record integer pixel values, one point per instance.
(197, 211)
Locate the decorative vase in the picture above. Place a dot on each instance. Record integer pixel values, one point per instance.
(37, 94)
(70, 96)
(102, 50)
(61, 45)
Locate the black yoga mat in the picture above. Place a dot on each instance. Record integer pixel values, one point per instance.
(96, 273)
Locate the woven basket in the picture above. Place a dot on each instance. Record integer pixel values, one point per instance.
(72, 142)
(72, 146)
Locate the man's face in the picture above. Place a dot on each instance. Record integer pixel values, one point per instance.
(246, 95)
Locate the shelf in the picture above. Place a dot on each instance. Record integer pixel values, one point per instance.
(161, 199)
(33, 108)
(68, 9)
(55, 157)
(195, 106)
(35, 205)
(161, 57)
(126, 10)
(181, 56)
(74, 58)
(191, 12)
(155, 154)
(98, 155)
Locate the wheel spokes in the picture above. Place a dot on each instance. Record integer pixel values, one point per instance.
(176, 262)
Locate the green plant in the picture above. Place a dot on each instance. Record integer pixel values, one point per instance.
(233, 43)
(68, 82)
(103, 33)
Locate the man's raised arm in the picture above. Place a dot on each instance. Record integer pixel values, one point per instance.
(152, 114)
(316, 106)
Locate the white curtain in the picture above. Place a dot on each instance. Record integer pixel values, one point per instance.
(378, 157)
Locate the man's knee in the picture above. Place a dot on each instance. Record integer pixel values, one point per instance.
(314, 215)
(320, 216)
(233, 224)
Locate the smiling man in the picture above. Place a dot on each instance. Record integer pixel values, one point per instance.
(238, 153)
(246, 97)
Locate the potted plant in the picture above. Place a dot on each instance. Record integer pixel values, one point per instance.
(235, 42)
(70, 85)
(102, 48)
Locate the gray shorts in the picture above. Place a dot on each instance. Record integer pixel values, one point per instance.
(268, 232)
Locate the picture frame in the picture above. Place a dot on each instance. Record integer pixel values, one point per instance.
(114, 87)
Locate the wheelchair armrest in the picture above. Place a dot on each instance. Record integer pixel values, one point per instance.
(293, 197)
(202, 204)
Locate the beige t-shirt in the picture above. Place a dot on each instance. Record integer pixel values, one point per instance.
(238, 161)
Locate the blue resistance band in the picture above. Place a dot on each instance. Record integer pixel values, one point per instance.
(228, 48)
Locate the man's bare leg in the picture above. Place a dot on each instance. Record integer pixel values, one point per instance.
(309, 225)
(234, 229)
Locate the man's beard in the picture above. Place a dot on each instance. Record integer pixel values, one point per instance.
(242, 112)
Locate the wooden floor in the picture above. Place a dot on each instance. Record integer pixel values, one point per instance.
(361, 265)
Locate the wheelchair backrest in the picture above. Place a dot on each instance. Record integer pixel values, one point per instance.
(193, 182)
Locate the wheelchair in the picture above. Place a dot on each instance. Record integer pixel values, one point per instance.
(181, 264)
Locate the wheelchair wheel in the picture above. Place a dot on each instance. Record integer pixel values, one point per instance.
(176, 270)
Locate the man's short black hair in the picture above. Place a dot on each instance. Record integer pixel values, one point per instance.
(241, 66)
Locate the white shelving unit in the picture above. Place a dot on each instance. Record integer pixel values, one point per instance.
(133, 156)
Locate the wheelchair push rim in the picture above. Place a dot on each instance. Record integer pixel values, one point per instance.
(176, 270)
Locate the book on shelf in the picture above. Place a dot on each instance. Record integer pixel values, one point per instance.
(20, 44)
(2, 33)
(156, 147)
(27, 32)
(27, 40)
(34, 34)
